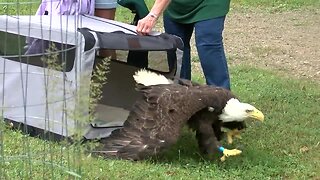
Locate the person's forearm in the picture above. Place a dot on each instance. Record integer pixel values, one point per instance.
(159, 6)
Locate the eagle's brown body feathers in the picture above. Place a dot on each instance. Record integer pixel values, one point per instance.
(156, 120)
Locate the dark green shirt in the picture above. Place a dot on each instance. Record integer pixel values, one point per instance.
(190, 11)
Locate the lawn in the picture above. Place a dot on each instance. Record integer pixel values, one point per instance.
(285, 146)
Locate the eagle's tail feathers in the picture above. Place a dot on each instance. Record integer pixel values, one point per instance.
(149, 78)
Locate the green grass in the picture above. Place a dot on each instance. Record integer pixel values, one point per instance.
(272, 150)
(21, 7)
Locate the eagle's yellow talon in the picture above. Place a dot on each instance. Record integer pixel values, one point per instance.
(227, 153)
(229, 138)
(231, 134)
(238, 136)
(233, 152)
(223, 158)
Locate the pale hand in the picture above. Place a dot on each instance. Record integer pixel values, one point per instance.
(146, 24)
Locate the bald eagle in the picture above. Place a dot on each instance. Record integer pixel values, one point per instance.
(155, 122)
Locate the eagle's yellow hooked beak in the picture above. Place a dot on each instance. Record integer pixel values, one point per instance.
(256, 114)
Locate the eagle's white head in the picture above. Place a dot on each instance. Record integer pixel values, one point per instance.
(238, 111)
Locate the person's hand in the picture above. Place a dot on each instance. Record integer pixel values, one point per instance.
(146, 24)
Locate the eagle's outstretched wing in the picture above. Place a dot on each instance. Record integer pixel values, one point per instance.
(155, 122)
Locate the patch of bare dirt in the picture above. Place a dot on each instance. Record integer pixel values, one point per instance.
(288, 42)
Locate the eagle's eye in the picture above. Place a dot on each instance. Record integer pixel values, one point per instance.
(249, 110)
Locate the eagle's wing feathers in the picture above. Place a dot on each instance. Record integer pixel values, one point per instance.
(155, 122)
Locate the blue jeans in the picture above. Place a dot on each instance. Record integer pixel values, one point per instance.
(208, 36)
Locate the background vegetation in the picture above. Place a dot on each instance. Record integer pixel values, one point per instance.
(286, 146)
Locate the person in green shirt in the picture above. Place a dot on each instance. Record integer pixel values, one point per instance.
(206, 18)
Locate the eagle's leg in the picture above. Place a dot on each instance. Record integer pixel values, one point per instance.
(231, 134)
(208, 142)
